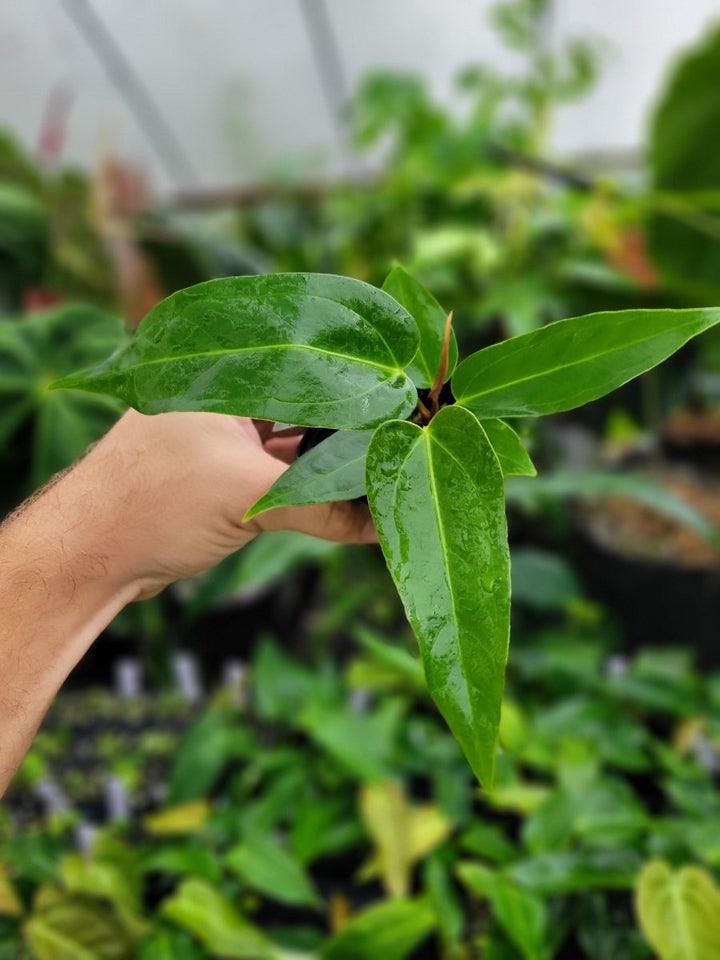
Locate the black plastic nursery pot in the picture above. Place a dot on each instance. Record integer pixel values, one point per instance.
(669, 600)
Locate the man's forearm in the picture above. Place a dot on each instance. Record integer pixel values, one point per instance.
(56, 595)
(158, 499)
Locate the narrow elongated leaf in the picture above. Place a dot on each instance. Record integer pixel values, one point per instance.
(436, 495)
(514, 459)
(308, 349)
(678, 911)
(430, 318)
(570, 362)
(333, 470)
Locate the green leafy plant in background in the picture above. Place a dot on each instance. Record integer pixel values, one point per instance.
(42, 432)
(325, 351)
(377, 838)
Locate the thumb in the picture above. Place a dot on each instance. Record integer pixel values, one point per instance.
(342, 522)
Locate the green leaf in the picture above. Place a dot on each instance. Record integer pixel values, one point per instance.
(34, 351)
(393, 662)
(569, 871)
(270, 870)
(514, 459)
(198, 907)
(430, 318)
(309, 349)
(436, 495)
(182, 860)
(75, 927)
(170, 944)
(543, 580)
(107, 880)
(570, 362)
(678, 911)
(596, 483)
(387, 930)
(333, 470)
(205, 750)
(266, 559)
(683, 225)
(522, 914)
(363, 743)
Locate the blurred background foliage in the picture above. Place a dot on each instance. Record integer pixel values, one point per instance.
(249, 766)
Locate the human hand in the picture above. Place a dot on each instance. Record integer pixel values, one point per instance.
(166, 495)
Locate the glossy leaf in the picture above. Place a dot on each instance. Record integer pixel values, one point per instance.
(269, 869)
(678, 911)
(570, 362)
(387, 930)
(436, 495)
(333, 470)
(509, 449)
(308, 349)
(430, 319)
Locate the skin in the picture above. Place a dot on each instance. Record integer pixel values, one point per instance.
(158, 499)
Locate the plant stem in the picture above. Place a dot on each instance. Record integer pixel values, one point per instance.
(434, 395)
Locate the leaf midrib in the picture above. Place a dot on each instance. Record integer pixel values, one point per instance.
(678, 908)
(566, 366)
(175, 358)
(443, 542)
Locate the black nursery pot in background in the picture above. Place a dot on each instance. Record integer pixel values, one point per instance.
(671, 600)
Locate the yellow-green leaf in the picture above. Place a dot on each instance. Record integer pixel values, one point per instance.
(679, 911)
(182, 818)
(10, 903)
(402, 834)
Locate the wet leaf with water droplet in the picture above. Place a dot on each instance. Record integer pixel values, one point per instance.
(308, 349)
(436, 495)
(514, 459)
(570, 362)
(430, 318)
(333, 470)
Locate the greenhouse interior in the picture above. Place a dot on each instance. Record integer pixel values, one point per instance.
(359, 480)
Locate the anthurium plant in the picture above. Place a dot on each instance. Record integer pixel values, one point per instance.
(421, 434)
